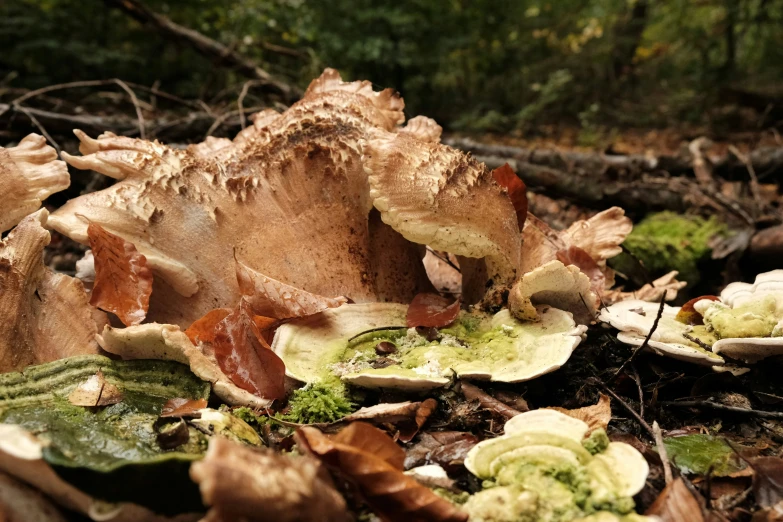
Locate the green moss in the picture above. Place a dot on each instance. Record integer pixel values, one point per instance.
(318, 403)
(455, 498)
(668, 241)
(597, 442)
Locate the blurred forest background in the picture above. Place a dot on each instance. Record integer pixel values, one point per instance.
(597, 66)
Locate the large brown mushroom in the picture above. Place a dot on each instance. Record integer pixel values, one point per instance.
(289, 197)
(44, 316)
(29, 173)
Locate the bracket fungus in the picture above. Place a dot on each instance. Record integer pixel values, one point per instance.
(746, 323)
(342, 342)
(545, 468)
(29, 173)
(634, 319)
(44, 316)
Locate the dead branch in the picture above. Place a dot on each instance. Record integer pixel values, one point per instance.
(205, 45)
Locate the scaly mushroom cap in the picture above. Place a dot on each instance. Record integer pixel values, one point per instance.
(557, 285)
(44, 316)
(437, 196)
(635, 319)
(289, 195)
(29, 173)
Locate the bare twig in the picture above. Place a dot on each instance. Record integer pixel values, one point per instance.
(135, 101)
(444, 259)
(474, 393)
(646, 339)
(639, 388)
(754, 180)
(240, 102)
(625, 405)
(718, 406)
(40, 128)
(667, 467)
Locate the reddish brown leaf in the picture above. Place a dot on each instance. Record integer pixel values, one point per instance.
(689, 315)
(182, 407)
(246, 358)
(431, 310)
(405, 417)
(123, 283)
(676, 504)
(767, 480)
(517, 191)
(578, 257)
(446, 448)
(203, 330)
(391, 494)
(372, 440)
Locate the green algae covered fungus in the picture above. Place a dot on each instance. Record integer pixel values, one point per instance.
(668, 241)
(544, 468)
(114, 452)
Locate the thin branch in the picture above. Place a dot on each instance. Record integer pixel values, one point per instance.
(40, 128)
(625, 405)
(717, 406)
(646, 339)
(135, 101)
(667, 467)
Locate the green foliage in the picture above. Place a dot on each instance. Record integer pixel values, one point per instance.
(668, 241)
(701, 454)
(479, 65)
(318, 403)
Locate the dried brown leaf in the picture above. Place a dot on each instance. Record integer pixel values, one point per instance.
(431, 310)
(203, 330)
(246, 358)
(390, 493)
(408, 417)
(474, 393)
(180, 407)
(573, 255)
(595, 416)
(677, 504)
(258, 485)
(767, 480)
(517, 191)
(123, 283)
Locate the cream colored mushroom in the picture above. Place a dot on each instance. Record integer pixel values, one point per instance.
(29, 173)
(557, 285)
(167, 342)
(44, 316)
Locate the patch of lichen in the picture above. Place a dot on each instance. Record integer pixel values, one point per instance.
(668, 241)
(318, 403)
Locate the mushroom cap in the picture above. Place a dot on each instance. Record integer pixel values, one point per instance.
(543, 435)
(557, 285)
(749, 349)
(29, 173)
(767, 283)
(44, 316)
(635, 318)
(437, 196)
(167, 342)
(516, 351)
(289, 196)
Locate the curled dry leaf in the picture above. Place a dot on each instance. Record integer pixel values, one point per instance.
(652, 292)
(95, 391)
(246, 358)
(272, 298)
(408, 417)
(676, 504)
(517, 191)
(573, 255)
(123, 283)
(432, 311)
(596, 416)
(767, 480)
(448, 449)
(360, 454)
(44, 316)
(259, 485)
(181, 407)
(29, 173)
